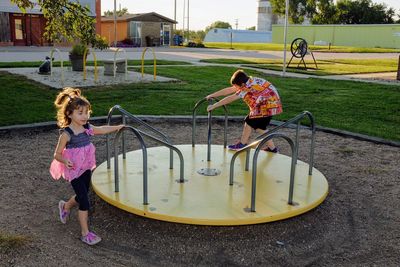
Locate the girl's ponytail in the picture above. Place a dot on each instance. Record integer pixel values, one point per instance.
(66, 101)
(66, 95)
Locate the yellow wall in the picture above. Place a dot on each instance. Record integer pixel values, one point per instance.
(366, 35)
(107, 30)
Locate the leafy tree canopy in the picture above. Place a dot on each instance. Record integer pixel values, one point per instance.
(66, 20)
(218, 24)
(120, 13)
(341, 12)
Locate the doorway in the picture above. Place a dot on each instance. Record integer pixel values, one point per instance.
(18, 29)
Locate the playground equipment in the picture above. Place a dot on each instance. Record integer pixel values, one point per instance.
(95, 64)
(154, 62)
(299, 49)
(51, 64)
(214, 185)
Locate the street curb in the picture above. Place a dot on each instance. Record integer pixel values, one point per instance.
(187, 119)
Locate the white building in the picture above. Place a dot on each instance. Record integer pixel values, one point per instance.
(265, 17)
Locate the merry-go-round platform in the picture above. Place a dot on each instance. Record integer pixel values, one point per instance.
(206, 197)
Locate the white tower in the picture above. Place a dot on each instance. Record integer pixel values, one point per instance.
(264, 16)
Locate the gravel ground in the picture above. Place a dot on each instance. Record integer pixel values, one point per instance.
(357, 225)
(75, 79)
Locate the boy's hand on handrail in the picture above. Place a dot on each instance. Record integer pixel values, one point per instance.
(210, 107)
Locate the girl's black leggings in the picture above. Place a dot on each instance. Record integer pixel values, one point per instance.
(81, 187)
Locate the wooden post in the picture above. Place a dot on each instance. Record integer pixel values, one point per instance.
(398, 70)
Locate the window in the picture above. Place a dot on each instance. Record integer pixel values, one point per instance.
(18, 29)
(135, 32)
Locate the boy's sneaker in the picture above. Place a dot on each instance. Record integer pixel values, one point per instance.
(91, 239)
(275, 150)
(62, 212)
(237, 146)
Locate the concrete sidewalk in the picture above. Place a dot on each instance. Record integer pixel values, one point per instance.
(25, 53)
(380, 78)
(194, 55)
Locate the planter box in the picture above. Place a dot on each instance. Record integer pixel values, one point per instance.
(76, 62)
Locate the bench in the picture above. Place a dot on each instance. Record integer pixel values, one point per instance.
(323, 43)
(109, 66)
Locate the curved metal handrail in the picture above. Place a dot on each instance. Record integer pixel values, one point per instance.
(96, 74)
(144, 151)
(154, 62)
(209, 121)
(297, 120)
(134, 118)
(171, 147)
(254, 169)
(139, 134)
(260, 142)
(62, 65)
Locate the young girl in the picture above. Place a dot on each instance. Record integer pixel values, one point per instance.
(74, 158)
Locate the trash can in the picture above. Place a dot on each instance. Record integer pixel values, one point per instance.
(178, 40)
(149, 40)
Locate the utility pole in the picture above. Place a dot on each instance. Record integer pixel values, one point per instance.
(115, 23)
(188, 21)
(183, 21)
(174, 26)
(285, 36)
(236, 23)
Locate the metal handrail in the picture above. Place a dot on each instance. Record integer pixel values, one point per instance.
(254, 169)
(209, 125)
(134, 118)
(144, 151)
(139, 134)
(154, 62)
(51, 64)
(297, 120)
(259, 143)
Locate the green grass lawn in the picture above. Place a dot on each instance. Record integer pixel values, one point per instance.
(366, 108)
(279, 47)
(325, 67)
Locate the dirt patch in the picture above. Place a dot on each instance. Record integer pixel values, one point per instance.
(358, 223)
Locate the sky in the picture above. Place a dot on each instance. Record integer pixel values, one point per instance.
(204, 12)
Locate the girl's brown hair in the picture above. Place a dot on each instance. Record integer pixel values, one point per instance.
(66, 102)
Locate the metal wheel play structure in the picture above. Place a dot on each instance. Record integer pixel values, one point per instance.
(299, 49)
(207, 184)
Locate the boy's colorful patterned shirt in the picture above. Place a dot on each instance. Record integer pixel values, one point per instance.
(261, 97)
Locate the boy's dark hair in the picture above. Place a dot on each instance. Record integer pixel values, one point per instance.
(239, 78)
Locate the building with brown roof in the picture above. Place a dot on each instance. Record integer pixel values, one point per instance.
(145, 29)
(26, 29)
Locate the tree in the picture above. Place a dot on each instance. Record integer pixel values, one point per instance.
(343, 12)
(66, 20)
(364, 12)
(218, 24)
(197, 36)
(120, 13)
(325, 12)
(252, 28)
(298, 9)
